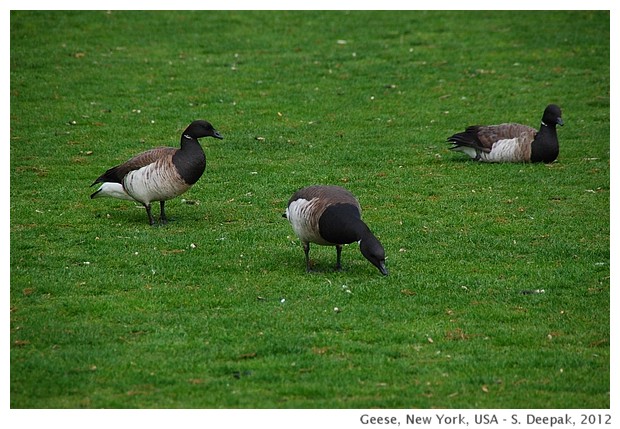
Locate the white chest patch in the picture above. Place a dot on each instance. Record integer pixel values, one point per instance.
(303, 216)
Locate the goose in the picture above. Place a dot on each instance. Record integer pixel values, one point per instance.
(512, 142)
(159, 174)
(331, 216)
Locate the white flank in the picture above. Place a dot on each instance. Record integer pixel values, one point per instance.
(305, 223)
(112, 190)
(503, 151)
(155, 182)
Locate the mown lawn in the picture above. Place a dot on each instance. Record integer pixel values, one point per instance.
(216, 310)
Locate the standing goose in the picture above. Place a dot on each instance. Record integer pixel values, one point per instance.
(159, 174)
(512, 142)
(331, 216)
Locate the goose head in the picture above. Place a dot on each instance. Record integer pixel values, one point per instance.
(372, 250)
(553, 115)
(201, 128)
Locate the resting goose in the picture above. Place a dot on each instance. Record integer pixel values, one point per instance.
(331, 216)
(159, 174)
(512, 142)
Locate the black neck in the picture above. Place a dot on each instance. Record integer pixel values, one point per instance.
(545, 147)
(190, 160)
(341, 224)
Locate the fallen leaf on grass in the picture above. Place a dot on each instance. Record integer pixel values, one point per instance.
(320, 350)
(141, 390)
(457, 334)
(599, 342)
(172, 252)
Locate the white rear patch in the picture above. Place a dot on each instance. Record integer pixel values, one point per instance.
(112, 190)
(467, 150)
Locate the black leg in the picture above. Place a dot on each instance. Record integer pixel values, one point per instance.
(307, 252)
(162, 214)
(149, 214)
(338, 253)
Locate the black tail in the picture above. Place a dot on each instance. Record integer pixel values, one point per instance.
(111, 175)
(469, 137)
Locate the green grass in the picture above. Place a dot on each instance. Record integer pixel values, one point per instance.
(215, 310)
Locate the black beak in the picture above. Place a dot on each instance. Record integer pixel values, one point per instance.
(217, 135)
(560, 122)
(382, 268)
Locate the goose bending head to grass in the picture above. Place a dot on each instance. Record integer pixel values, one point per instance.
(159, 174)
(331, 216)
(512, 142)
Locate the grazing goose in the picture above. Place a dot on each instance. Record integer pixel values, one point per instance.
(512, 142)
(159, 174)
(331, 216)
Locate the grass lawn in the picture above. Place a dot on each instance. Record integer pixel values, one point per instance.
(215, 310)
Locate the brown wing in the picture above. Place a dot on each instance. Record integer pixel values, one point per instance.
(489, 135)
(117, 173)
(326, 196)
